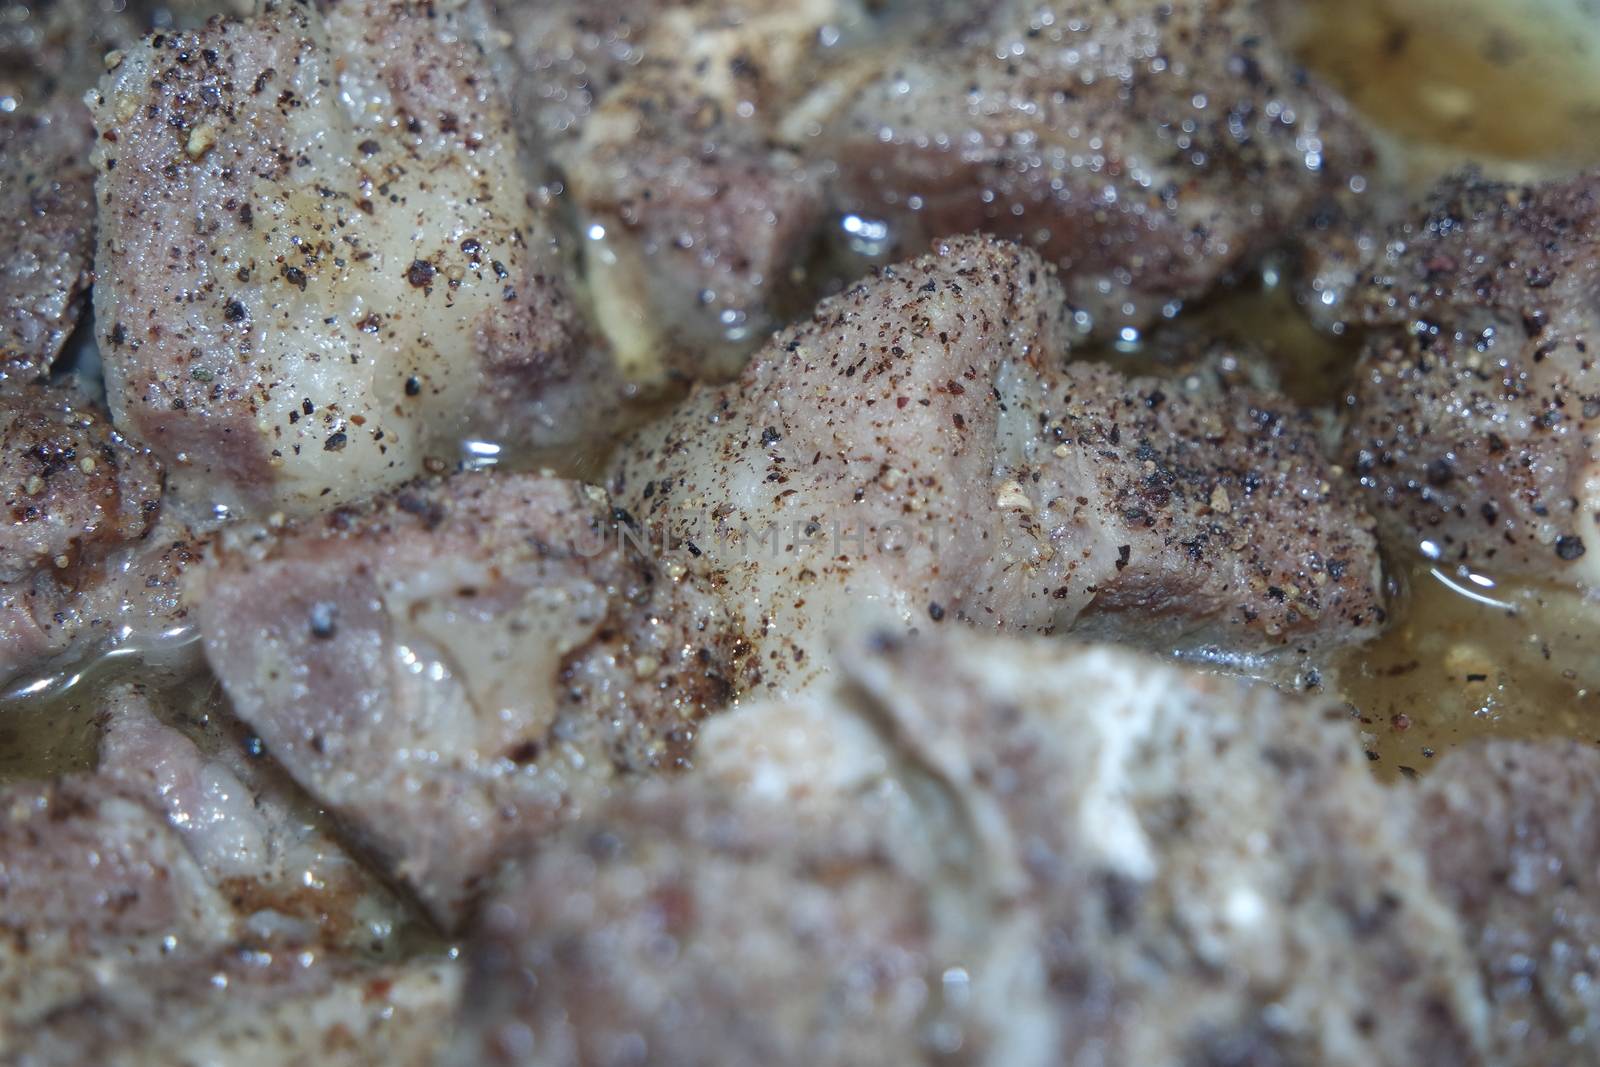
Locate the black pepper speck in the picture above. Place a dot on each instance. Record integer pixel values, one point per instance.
(324, 620)
(420, 273)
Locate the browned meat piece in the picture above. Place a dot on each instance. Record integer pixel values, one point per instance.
(267, 848)
(74, 488)
(1476, 408)
(81, 562)
(46, 231)
(460, 665)
(1512, 833)
(320, 267)
(174, 900)
(1148, 148)
(92, 884)
(917, 452)
(255, 1009)
(1106, 860)
(656, 117)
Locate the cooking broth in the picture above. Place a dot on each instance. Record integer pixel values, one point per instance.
(1491, 80)
(1469, 657)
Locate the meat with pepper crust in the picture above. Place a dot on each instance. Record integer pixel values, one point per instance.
(1148, 148)
(1476, 406)
(321, 269)
(459, 666)
(919, 452)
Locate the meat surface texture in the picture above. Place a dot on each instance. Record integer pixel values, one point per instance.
(834, 943)
(46, 231)
(74, 487)
(1476, 409)
(268, 850)
(85, 560)
(458, 667)
(179, 905)
(717, 152)
(1512, 836)
(131, 601)
(93, 885)
(321, 268)
(50, 54)
(1147, 148)
(1038, 856)
(256, 1009)
(656, 117)
(919, 452)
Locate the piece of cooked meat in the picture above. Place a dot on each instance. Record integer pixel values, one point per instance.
(656, 118)
(1512, 835)
(320, 265)
(1107, 859)
(1200, 851)
(1149, 148)
(1239, 534)
(85, 560)
(1476, 407)
(257, 838)
(92, 885)
(919, 452)
(46, 231)
(50, 54)
(252, 1008)
(690, 252)
(457, 667)
(204, 800)
(682, 928)
(177, 897)
(74, 488)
